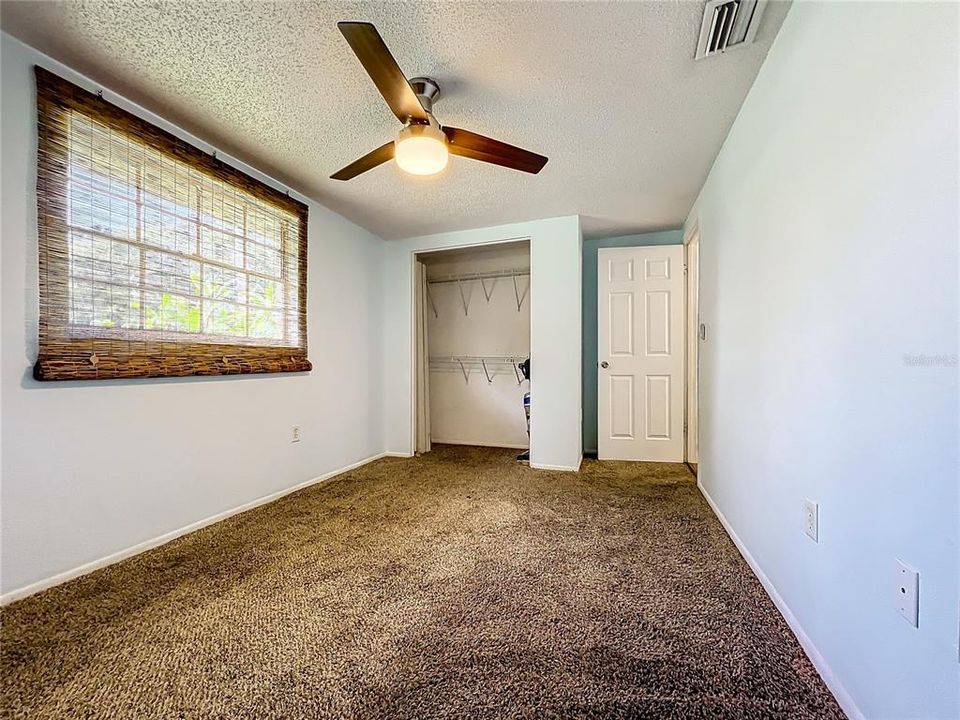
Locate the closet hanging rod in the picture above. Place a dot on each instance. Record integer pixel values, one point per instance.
(519, 272)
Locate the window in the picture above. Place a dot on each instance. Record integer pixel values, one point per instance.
(157, 259)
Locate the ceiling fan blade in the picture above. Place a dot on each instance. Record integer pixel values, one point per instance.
(383, 70)
(367, 162)
(477, 147)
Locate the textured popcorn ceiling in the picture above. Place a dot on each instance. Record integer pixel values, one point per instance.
(608, 91)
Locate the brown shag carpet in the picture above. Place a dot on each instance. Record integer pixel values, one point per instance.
(456, 585)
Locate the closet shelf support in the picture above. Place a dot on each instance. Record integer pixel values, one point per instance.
(433, 305)
(463, 299)
(483, 284)
(516, 292)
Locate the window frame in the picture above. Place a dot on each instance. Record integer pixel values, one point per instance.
(69, 352)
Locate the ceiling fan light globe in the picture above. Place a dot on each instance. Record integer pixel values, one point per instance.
(421, 150)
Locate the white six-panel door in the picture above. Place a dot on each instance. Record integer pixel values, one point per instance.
(640, 328)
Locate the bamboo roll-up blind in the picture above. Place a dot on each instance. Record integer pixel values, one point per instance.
(157, 259)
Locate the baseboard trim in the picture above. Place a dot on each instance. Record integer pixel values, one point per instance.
(116, 557)
(393, 454)
(832, 681)
(561, 468)
(477, 443)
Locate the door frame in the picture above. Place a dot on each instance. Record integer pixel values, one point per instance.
(413, 256)
(691, 419)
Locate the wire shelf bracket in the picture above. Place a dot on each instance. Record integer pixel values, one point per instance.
(433, 305)
(516, 291)
(463, 300)
(483, 284)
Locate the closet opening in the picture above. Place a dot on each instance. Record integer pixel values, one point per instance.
(472, 346)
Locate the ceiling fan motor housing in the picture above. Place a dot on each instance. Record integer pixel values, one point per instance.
(427, 91)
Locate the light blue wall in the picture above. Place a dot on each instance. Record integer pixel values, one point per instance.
(829, 290)
(667, 237)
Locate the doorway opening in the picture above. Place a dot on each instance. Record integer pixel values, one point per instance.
(472, 333)
(648, 344)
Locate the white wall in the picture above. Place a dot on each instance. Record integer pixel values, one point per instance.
(555, 248)
(477, 412)
(829, 257)
(92, 468)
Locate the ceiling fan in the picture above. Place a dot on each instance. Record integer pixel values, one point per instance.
(422, 146)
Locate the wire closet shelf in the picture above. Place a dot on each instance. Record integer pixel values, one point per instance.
(488, 282)
(488, 363)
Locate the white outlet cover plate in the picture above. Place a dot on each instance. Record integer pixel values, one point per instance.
(908, 593)
(811, 520)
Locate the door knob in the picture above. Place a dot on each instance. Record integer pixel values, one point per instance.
(604, 364)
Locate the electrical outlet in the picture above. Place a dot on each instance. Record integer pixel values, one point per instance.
(295, 434)
(908, 593)
(811, 520)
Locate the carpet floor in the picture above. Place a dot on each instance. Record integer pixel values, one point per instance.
(455, 585)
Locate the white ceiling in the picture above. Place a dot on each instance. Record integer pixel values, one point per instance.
(608, 91)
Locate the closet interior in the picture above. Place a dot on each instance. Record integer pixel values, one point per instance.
(473, 332)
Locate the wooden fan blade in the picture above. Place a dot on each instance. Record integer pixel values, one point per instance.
(477, 147)
(367, 162)
(383, 70)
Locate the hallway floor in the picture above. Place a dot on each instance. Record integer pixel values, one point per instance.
(458, 584)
